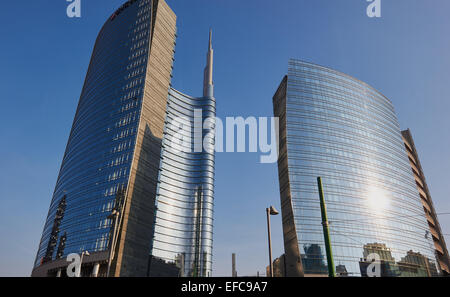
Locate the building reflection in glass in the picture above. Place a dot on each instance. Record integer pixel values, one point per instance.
(314, 260)
(342, 129)
(414, 264)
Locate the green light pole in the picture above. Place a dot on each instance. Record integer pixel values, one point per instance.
(326, 230)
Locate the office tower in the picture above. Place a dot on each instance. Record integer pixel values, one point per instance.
(343, 130)
(108, 196)
(184, 217)
(430, 212)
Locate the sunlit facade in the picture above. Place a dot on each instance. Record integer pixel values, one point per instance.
(183, 230)
(339, 128)
(184, 220)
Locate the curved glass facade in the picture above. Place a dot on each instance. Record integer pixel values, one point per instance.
(343, 130)
(113, 152)
(184, 217)
(101, 144)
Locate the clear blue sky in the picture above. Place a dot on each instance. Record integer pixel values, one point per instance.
(45, 55)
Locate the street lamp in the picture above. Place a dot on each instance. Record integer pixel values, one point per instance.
(81, 261)
(270, 211)
(113, 216)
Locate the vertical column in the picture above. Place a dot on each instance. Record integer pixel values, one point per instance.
(95, 270)
(233, 265)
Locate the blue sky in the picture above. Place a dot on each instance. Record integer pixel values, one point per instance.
(45, 55)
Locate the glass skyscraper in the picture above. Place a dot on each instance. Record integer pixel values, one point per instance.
(120, 195)
(184, 220)
(343, 130)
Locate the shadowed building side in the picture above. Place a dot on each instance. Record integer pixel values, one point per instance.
(291, 258)
(135, 235)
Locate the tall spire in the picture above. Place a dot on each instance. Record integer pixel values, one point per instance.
(208, 85)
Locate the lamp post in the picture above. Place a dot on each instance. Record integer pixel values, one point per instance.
(81, 261)
(270, 211)
(113, 216)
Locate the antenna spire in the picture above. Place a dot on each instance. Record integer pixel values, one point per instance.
(208, 85)
(210, 39)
